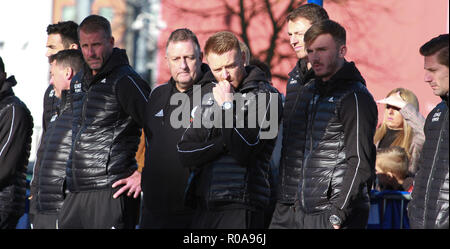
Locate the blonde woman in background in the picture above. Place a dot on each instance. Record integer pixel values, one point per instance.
(402, 126)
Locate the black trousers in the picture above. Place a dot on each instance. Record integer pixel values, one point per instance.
(283, 217)
(151, 219)
(8, 221)
(98, 210)
(357, 219)
(227, 216)
(43, 221)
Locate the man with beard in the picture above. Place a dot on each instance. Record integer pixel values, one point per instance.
(299, 21)
(337, 127)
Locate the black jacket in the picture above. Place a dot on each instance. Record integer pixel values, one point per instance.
(51, 105)
(231, 164)
(16, 128)
(335, 147)
(164, 179)
(290, 158)
(49, 173)
(429, 205)
(108, 112)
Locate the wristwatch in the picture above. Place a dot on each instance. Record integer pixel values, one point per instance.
(335, 220)
(227, 105)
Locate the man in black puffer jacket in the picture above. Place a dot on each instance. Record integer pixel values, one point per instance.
(60, 36)
(338, 117)
(16, 128)
(49, 174)
(226, 147)
(108, 101)
(428, 208)
(299, 20)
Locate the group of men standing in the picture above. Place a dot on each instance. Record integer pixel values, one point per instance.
(208, 135)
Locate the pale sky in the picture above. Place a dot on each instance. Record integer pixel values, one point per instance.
(23, 36)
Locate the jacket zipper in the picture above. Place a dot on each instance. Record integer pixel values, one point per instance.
(311, 117)
(83, 118)
(289, 130)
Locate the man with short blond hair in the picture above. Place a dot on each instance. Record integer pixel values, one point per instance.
(229, 187)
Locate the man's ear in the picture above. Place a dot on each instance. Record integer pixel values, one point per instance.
(73, 46)
(244, 57)
(68, 73)
(343, 51)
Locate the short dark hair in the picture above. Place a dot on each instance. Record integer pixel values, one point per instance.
(69, 58)
(311, 12)
(439, 45)
(2, 66)
(67, 30)
(222, 42)
(94, 23)
(326, 27)
(184, 34)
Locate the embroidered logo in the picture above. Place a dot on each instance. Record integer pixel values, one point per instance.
(77, 87)
(293, 81)
(160, 113)
(53, 117)
(436, 116)
(331, 100)
(51, 93)
(103, 81)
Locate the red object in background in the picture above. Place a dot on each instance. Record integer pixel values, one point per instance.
(383, 38)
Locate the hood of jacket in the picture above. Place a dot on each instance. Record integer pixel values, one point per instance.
(445, 99)
(346, 75)
(253, 77)
(6, 86)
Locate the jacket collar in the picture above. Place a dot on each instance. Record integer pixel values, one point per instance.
(347, 74)
(252, 80)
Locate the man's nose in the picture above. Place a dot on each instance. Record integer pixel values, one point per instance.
(183, 64)
(427, 77)
(90, 52)
(312, 56)
(224, 74)
(293, 40)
